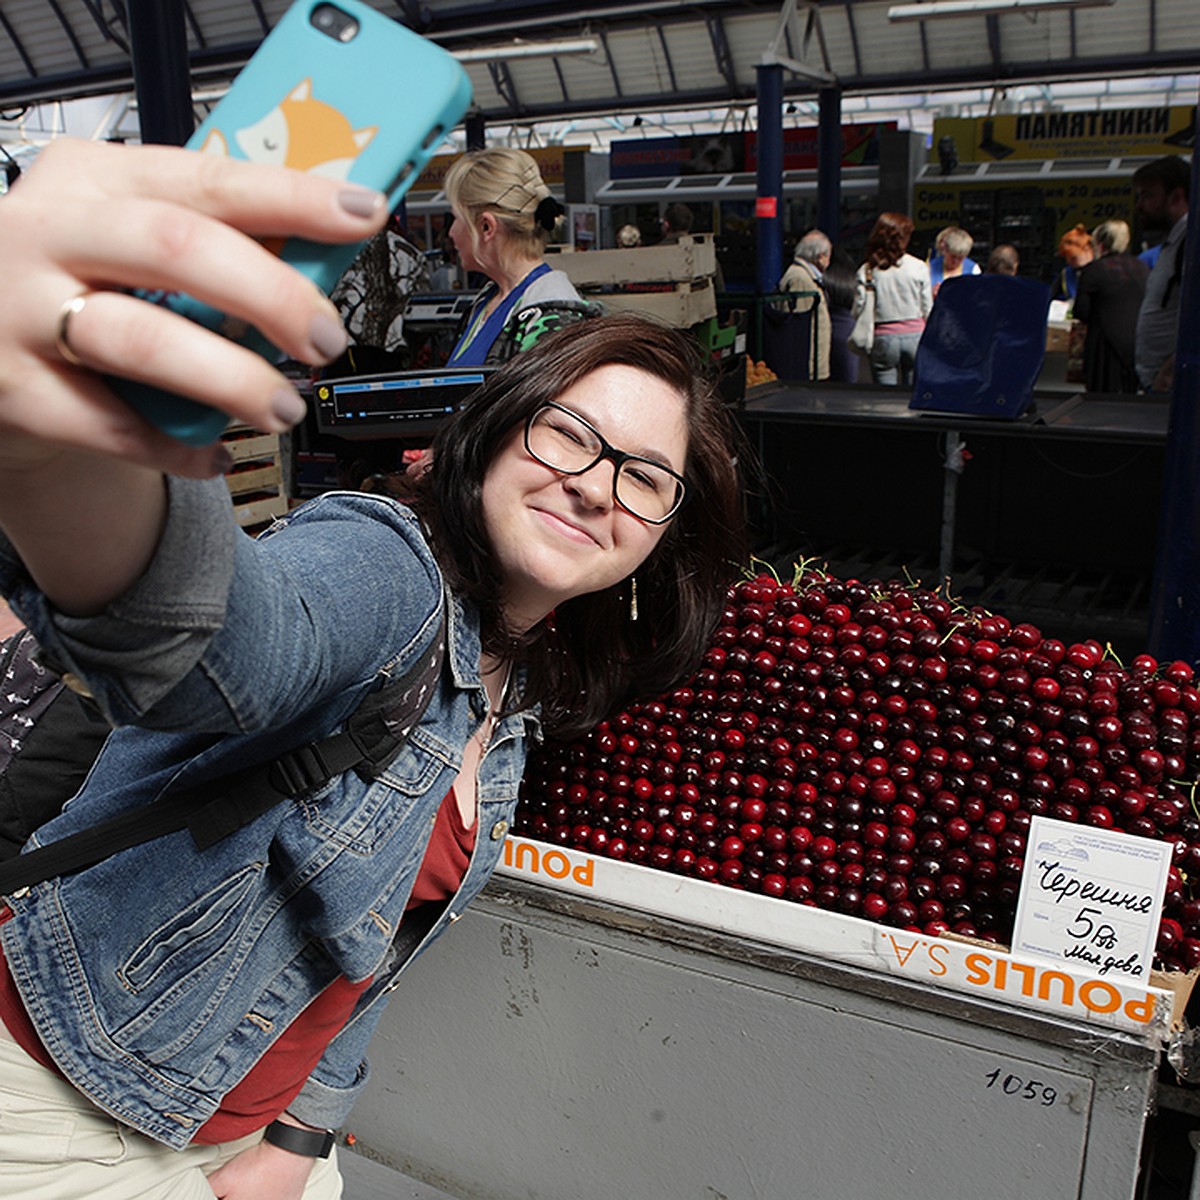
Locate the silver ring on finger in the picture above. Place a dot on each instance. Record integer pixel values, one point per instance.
(62, 328)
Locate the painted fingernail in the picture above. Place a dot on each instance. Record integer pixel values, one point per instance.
(222, 460)
(361, 202)
(288, 405)
(328, 335)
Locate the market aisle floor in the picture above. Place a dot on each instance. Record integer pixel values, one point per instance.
(369, 1180)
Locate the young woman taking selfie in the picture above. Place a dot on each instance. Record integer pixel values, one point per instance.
(166, 1007)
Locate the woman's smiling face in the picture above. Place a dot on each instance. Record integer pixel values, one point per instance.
(557, 536)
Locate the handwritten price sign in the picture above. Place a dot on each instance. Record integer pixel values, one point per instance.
(1091, 898)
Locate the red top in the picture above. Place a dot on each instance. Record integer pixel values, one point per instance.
(275, 1080)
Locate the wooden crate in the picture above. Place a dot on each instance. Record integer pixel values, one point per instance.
(692, 258)
(255, 480)
(684, 306)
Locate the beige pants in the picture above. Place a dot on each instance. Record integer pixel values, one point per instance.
(56, 1145)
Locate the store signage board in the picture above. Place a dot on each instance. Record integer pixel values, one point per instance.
(1094, 133)
(1091, 899)
(986, 971)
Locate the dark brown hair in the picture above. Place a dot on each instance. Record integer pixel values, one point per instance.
(1004, 260)
(888, 240)
(589, 656)
(1169, 172)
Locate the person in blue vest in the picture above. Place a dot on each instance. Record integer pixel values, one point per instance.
(952, 248)
(503, 215)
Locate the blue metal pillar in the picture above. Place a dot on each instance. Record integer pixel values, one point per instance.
(161, 76)
(768, 208)
(829, 162)
(1175, 596)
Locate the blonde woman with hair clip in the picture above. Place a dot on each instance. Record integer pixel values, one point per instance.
(503, 215)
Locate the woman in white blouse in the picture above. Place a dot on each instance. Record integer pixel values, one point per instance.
(903, 298)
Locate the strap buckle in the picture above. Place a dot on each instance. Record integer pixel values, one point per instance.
(300, 770)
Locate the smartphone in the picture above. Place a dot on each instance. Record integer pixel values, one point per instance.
(337, 89)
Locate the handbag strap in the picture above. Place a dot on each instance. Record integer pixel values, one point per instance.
(373, 736)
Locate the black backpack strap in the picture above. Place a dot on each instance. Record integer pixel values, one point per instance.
(374, 735)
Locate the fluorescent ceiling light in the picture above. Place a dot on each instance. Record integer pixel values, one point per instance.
(520, 49)
(983, 8)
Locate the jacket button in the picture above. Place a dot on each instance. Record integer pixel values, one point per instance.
(499, 830)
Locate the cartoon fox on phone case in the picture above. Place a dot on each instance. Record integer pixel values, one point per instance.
(300, 132)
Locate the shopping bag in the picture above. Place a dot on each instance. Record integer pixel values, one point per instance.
(788, 343)
(862, 336)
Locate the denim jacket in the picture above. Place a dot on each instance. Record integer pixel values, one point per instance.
(157, 978)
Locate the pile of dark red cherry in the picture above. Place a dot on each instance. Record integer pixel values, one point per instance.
(879, 750)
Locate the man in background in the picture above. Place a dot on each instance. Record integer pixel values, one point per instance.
(677, 220)
(1004, 260)
(1160, 199)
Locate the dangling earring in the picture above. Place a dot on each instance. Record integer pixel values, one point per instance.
(633, 598)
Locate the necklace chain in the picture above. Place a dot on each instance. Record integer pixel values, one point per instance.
(492, 717)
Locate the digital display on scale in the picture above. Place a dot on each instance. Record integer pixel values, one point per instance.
(410, 403)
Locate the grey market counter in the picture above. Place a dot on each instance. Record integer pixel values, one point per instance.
(564, 1046)
(1074, 484)
(1126, 419)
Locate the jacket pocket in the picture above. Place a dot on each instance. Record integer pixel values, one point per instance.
(195, 937)
(362, 817)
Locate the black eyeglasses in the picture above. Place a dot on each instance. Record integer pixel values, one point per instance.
(564, 441)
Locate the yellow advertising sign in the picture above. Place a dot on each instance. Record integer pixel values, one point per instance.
(550, 161)
(1021, 211)
(1096, 134)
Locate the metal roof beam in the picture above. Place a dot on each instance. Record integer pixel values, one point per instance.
(197, 32)
(662, 41)
(612, 66)
(259, 12)
(562, 83)
(105, 26)
(854, 46)
(416, 15)
(220, 63)
(69, 30)
(993, 39)
(721, 52)
(502, 80)
(474, 19)
(788, 31)
(17, 45)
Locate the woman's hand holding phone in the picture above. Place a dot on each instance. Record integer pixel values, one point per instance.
(89, 220)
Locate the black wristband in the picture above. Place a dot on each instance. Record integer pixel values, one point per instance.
(312, 1143)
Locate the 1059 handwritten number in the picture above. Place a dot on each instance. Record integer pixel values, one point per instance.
(1014, 1085)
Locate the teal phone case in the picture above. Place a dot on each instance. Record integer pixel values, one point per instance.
(371, 111)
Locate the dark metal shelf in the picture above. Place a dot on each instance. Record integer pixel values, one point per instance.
(1065, 602)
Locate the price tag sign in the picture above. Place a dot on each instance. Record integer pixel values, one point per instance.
(1091, 898)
